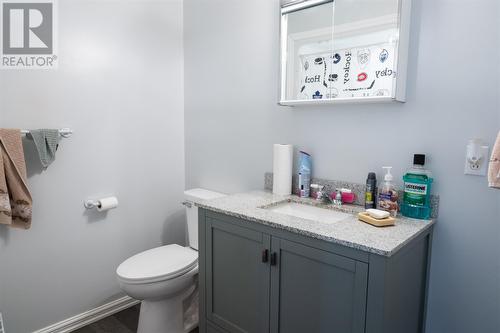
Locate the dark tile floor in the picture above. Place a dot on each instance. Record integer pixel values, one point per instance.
(121, 322)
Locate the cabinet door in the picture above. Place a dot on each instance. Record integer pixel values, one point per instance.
(316, 291)
(237, 277)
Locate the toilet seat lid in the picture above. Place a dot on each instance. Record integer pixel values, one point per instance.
(161, 263)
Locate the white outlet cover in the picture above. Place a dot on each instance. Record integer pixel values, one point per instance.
(483, 166)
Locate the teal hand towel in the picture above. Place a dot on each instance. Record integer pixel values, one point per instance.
(46, 142)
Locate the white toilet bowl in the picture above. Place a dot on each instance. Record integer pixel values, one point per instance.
(164, 277)
(161, 278)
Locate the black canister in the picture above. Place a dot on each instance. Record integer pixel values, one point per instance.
(371, 191)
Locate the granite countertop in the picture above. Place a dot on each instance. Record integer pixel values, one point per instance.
(348, 232)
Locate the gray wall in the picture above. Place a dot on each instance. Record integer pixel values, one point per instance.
(120, 87)
(232, 120)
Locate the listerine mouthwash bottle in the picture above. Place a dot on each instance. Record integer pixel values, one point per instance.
(417, 190)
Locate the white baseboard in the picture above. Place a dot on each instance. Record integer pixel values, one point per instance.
(89, 317)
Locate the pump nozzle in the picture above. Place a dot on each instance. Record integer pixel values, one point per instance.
(388, 176)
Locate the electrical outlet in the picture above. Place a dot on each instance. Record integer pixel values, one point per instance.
(476, 159)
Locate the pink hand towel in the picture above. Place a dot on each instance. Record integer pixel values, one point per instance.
(494, 169)
(15, 197)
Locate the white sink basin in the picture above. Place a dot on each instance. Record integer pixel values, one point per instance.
(309, 212)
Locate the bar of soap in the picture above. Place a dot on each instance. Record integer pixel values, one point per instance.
(378, 214)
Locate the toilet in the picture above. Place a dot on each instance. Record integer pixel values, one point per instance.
(165, 277)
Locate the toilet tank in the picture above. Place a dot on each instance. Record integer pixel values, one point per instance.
(192, 196)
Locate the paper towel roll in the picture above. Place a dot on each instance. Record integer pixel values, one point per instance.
(107, 204)
(282, 169)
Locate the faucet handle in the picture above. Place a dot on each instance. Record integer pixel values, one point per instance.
(338, 197)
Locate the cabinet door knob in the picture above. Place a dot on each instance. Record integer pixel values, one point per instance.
(274, 259)
(265, 255)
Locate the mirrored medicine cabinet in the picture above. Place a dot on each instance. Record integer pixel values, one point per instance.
(344, 51)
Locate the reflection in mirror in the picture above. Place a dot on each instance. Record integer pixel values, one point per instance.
(309, 42)
(340, 50)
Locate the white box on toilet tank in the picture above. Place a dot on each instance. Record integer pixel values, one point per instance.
(193, 196)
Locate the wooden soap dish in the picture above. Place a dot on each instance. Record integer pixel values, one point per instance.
(365, 217)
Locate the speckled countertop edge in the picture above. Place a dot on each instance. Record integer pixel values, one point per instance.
(349, 232)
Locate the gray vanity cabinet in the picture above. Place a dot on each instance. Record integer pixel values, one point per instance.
(258, 279)
(314, 290)
(238, 297)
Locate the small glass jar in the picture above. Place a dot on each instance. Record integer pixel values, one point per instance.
(317, 191)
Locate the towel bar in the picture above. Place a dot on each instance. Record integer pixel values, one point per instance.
(64, 132)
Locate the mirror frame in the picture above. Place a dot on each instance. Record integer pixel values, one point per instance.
(399, 92)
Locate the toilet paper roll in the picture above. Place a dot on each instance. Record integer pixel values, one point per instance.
(107, 204)
(282, 169)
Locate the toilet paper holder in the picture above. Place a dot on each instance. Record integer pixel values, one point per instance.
(91, 204)
(102, 204)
